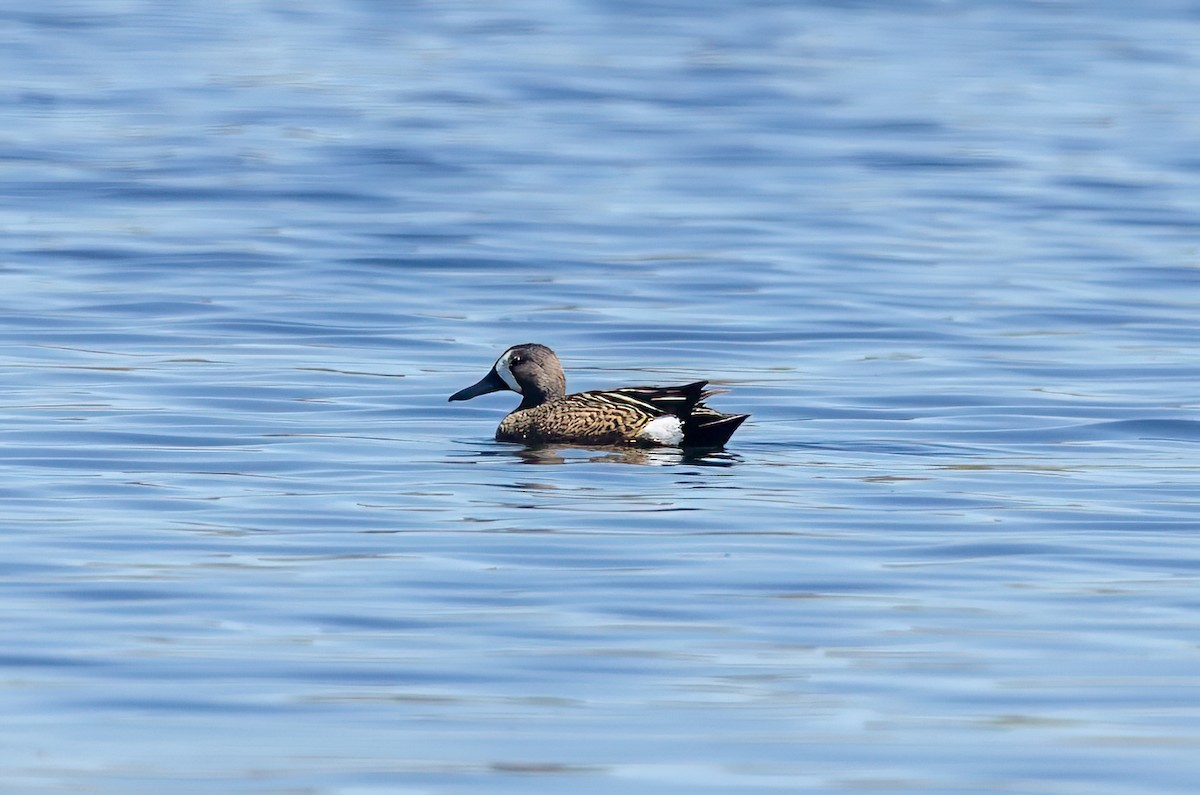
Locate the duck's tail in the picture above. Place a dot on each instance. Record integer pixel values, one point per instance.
(706, 427)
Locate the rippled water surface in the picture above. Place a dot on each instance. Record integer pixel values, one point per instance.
(946, 253)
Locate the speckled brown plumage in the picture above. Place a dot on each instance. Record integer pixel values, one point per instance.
(601, 418)
(607, 417)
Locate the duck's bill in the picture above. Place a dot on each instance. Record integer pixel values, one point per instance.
(489, 383)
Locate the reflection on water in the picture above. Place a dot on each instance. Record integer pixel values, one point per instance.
(945, 252)
(642, 456)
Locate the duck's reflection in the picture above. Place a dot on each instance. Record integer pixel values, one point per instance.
(574, 454)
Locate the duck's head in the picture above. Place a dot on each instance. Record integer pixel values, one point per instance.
(530, 370)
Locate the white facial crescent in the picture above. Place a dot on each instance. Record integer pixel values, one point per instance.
(505, 373)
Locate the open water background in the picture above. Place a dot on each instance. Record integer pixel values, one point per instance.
(945, 252)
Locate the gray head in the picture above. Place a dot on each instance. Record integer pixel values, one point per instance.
(530, 370)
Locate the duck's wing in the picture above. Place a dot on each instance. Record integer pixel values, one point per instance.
(655, 400)
(702, 426)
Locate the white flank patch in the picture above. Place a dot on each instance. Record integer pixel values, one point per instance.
(665, 430)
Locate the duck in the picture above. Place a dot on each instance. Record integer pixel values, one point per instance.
(644, 416)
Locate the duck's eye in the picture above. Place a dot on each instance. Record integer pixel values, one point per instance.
(516, 359)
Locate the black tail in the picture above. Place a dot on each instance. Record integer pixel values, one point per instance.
(710, 428)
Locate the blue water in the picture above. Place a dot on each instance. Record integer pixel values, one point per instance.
(946, 253)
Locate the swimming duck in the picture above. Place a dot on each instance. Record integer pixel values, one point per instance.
(667, 416)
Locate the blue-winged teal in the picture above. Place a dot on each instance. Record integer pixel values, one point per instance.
(672, 416)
